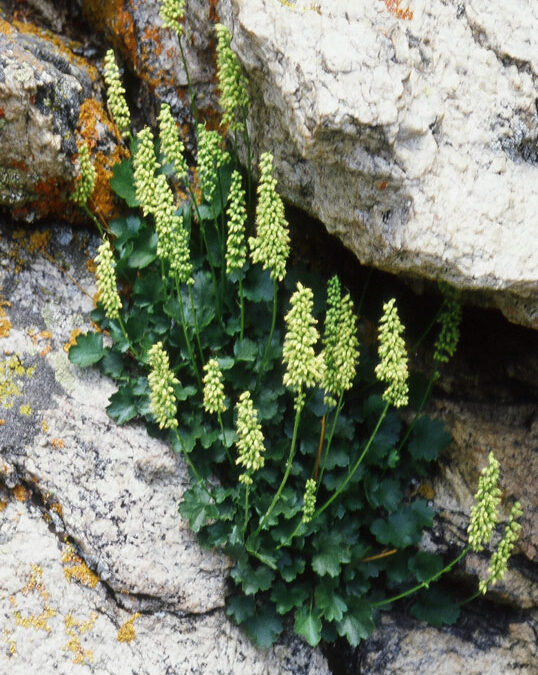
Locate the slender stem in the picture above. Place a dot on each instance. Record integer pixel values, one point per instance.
(262, 558)
(286, 473)
(471, 598)
(126, 336)
(419, 409)
(428, 329)
(331, 434)
(195, 319)
(273, 323)
(94, 218)
(187, 340)
(292, 535)
(249, 161)
(424, 584)
(224, 439)
(189, 85)
(191, 465)
(242, 303)
(350, 475)
(320, 446)
(245, 523)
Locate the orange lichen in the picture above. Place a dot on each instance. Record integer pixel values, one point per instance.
(5, 323)
(78, 569)
(57, 443)
(5, 27)
(36, 621)
(46, 350)
(127, 633)
(20, 494)
(3, 504)
(72, 339)
(74, 628)
(91, 266)
(382, 185)
(57, 508)
(393, 6)
(2, 423)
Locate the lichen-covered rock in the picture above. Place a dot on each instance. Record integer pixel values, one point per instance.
(114, 580)
(50, 103)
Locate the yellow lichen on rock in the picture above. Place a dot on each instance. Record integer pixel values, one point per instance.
(74, 628)
(127, 633)
(78, 569)
(35, 585)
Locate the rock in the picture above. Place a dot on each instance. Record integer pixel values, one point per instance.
(115, 561)
(50, 102)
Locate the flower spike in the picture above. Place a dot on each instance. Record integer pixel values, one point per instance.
(249, 438)
(116, 95)
(484, 511)
(86, 181)
(171, 145)
(392, 368)
(232, 83)
(236, 248)
(499, 560)
(145, 165)
(213, 388)
(106, 280)
(211, 157)
(161, 381)
(450, 319)
(172, 14)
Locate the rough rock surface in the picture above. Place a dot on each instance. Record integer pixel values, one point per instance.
(415, 141)
(50, 102)
(115, 547)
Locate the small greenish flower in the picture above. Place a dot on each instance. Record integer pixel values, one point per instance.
(172, 13)
(173, 238)
(449, 319)
(303, 367)
(116, 95)
(162, 400)
(499, 560)
(145, 165)
(249, 439)
(86, 182)
(213, 388)
(236, 248)
(211, 157)
(486, 502)
(309, 500)
(232, 83)
(171, 145)
(341, 351)
(271, 246)
(392, 368)
(106, 280)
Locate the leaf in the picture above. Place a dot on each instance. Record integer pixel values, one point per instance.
(357, 624)
(290, 566)
(245, 350)
(112, 363)
(259, 579)
(264, 627)
(404, 527)
(197, 507)
(308, 625)
(240, 607)
(436, 607)
(384, 492)
(331, 553)
(148, 290)
(331, 604)
(259, 286)
(286, 597)
(425, 565)
(122, 405)
(122, 182)
(428, 438)
(144, 251)
(87, 350)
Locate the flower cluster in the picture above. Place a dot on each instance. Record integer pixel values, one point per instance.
(449, 319)
(484, 510)
(86, 181)
(309, 500)
(271, 246)
(173, 238)
(303, 367)
(249, 438)
(172, 13)
(392, 368)
(499, 560)
(116, 95)
(236, 248)
(161, 379)
(213, 388)
(211, 157)
(145, 165)
(171, 145)
(106, 280)
(233, 84)
(341, 351)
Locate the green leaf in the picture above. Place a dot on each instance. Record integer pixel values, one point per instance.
(329, 602)
(112, 363)
(425, 565)
(240, 607)
(122, 182)
(197, 507)
(357, 624)
(144, 251)
(264, 627)
(331, 553)
(428, 438)
(308, 625)
(245, 350)
(87, 350)
(122, 405)
(291, 566)
(436, 607)
(384, 492)
(253, 580)
(148, 290)
(258, 286)
(286, 597)
(404, 527)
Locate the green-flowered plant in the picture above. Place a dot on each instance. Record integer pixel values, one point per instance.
(302, 470)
